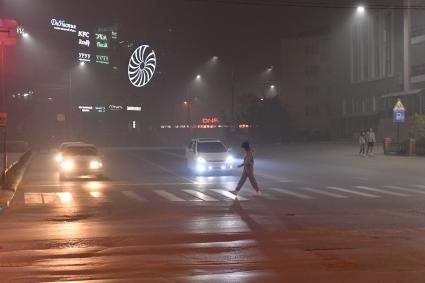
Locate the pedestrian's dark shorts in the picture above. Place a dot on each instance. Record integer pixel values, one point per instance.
(370, 143)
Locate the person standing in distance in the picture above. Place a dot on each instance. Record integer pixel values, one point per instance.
(248, 170)
(371, 140)
(362, 142)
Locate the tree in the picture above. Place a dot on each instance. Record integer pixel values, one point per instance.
(417, 129)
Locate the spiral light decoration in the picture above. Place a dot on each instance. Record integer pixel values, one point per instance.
(141, 67)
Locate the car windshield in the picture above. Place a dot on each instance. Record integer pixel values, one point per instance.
(84, 151)
(211, 147)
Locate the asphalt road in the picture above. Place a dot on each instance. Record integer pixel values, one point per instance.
(326, 215)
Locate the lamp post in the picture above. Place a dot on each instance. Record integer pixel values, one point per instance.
(71, 100)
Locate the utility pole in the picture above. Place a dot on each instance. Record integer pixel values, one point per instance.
(406, 45)
(3, 107)
(233, 97)
(70, 109)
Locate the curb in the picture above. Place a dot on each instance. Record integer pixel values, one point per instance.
(7, 195)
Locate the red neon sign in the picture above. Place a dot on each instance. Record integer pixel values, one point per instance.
(208, 121)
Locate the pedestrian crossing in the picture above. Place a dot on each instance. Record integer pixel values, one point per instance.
(216, 195)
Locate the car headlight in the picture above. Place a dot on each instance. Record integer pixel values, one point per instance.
(201, 160)
(95, 165)
(230, 159)
(59, 157)
(67, 165)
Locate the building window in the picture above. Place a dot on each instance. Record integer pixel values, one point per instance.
(311, 49)
(311, 91)
(372, 47)
(312, 110)
(311, 70)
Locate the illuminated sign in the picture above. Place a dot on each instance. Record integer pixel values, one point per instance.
(134, 108)
(141, 66)
(116, 107)
(84, 42)
(84, 34)
(8, 32)
(84, 57)
(101, 40)
(85, 108)
(102, 59)
(63, 25)
(100, 109)
(84, 38)
(210, 120)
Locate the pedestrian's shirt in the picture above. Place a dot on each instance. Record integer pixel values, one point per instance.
(362, 140)
(371, 137)
(249, 159)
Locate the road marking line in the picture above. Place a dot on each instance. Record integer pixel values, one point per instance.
(228, 194)
(420, 186)
(165, 169)
(49, 197)
(132, 195)
(381, 191)
(65, 197)
(200, 195)
(405, 189)
(320, 192)
(353, 192)
(168, 196)
(33, 198)
(290, 193)
(279, 180)
(99, 196)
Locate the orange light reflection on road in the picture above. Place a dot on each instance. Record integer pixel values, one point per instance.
(94, 185)
(65, 197)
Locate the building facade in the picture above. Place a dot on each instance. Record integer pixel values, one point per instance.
(348, 78)
(380, 56)
(307, 84)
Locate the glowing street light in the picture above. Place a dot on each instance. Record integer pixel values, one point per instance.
(272, 87)
(198, 77)
(361, 10)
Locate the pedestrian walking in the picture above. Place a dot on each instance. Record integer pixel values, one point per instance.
(371, 140)
(248, 170)
(362, 142)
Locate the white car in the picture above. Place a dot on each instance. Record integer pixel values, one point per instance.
(208, 155)
(80, 159)
(62, 146)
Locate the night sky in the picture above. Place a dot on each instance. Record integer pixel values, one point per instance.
(184, 34)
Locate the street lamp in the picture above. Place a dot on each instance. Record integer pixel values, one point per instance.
(198, 77)
(361, 10)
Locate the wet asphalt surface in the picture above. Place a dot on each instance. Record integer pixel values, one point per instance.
(325, 215)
